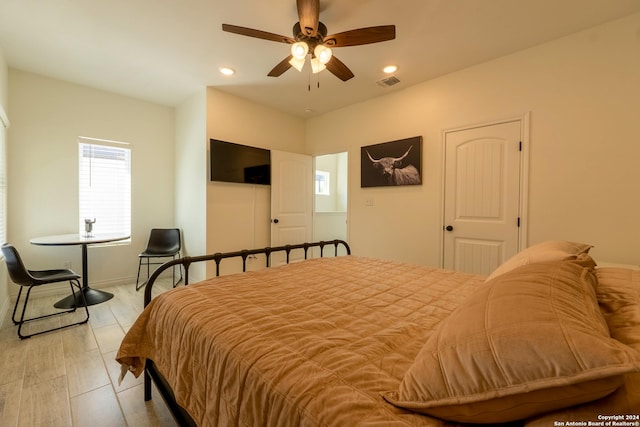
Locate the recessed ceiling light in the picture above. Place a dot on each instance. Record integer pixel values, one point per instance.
(227, 71)
(390, 69)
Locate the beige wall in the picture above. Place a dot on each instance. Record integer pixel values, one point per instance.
(583, 93)
(191, 184)
(238, 215)
(4, 82)
(47, 117)
(4, 98)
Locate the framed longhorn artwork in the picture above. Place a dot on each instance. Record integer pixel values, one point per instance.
(392, 163)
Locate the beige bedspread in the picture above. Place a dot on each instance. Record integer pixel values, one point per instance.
(307, 344)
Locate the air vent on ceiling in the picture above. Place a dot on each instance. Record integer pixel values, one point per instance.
(388, 82)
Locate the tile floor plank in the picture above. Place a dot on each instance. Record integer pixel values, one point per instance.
(85, 372)
(45, 404)
(10, 394)
(44, 359)
(97, 408)
(151, 414)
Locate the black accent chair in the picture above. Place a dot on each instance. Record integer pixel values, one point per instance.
(32, 278)
(163, 243)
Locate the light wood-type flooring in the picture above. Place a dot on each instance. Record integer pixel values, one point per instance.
(70, 377)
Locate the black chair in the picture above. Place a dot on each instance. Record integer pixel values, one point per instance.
(32, 278)
(163, 243)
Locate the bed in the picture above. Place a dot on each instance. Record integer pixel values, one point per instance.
(548, 339)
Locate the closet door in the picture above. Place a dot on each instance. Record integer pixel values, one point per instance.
(482, 196)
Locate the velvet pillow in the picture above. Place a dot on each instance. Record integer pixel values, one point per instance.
(532, 340)
(618, 293)
(552, 250)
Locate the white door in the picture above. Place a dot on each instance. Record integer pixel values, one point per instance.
(291, 201)
(482, 196)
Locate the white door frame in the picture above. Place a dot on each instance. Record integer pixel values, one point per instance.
(524, 178)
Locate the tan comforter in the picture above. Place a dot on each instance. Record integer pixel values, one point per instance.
(307, 344)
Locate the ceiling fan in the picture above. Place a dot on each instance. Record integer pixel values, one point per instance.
(310, 37)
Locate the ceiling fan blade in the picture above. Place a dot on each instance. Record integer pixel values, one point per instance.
(309, 16)
(337, 68)
(250, 32)
(361, 36)
(282, 66)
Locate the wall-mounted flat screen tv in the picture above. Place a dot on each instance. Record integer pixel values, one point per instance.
(231, 162)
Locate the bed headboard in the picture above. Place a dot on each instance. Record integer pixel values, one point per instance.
(186, 262)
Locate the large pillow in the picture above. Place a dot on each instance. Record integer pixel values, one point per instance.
(532, 340)
(618, 293)
(552, 250)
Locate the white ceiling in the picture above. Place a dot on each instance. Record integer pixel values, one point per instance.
(165, 50)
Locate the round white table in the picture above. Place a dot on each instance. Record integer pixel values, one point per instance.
(91, 296)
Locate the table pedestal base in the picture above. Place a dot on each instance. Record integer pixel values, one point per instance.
(91, 296)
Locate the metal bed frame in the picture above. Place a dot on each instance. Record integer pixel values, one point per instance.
(151, 373)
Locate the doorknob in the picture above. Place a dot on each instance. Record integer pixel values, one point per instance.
(276, 220)
(449, 228)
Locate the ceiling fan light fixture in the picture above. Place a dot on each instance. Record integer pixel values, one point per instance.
(323, 53)
(299, 50)
(308, 33)
(297, 63)
(317, 65)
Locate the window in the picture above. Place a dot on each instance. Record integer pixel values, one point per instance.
(105, 185)
(322, 183)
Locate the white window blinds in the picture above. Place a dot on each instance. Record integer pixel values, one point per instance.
(105, 185)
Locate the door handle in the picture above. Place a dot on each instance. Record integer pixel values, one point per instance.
(276, 220)
(449, 228)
